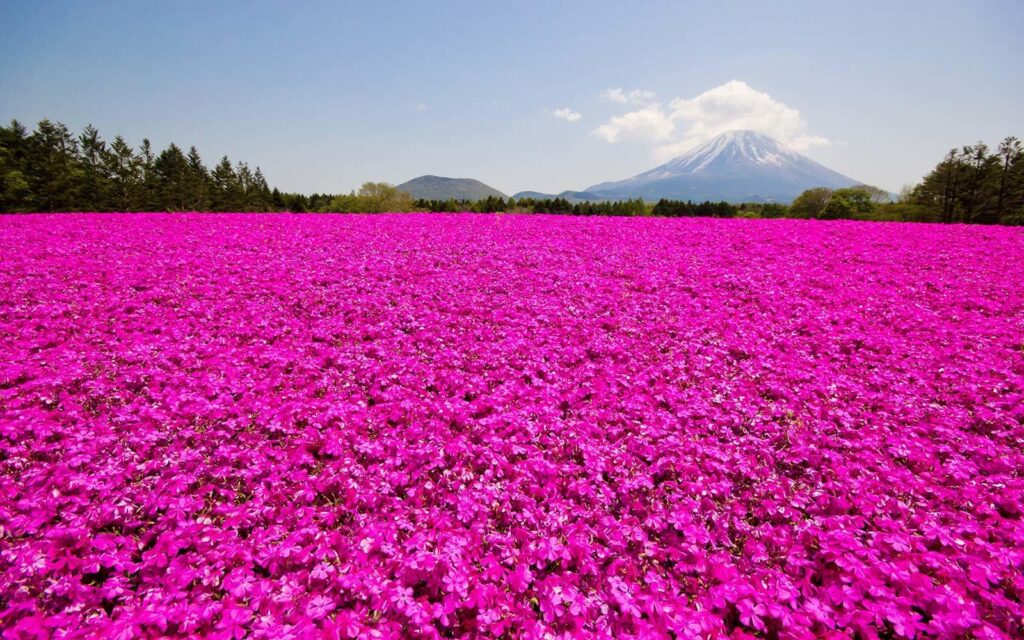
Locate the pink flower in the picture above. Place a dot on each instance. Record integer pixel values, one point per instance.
(381, 426)
(319, 606)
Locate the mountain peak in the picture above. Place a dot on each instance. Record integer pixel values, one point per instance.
(734, 147)
(738, 165)
(430, 187)
(739, 134)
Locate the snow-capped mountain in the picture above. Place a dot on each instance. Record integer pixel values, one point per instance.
(736, 166)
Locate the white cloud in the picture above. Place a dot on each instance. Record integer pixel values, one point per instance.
(647, 123)
(636, 96)
(688, 122)
(565, 113)
(421, 107)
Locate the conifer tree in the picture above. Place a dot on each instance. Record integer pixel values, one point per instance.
(15, 193)
(95, 183)
(124, 168)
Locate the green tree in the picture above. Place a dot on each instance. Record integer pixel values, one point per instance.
(853, 202)
(344, 203)
(171, 179)
(811, 203)
(259, 195)
(197, 182)
(15, 192)
(148, 198)
(54, 174)
(978, 184)
(95, 186)
(1010, 157)
(877, 196)
(227, 194)
(378, 197)
(124, 168)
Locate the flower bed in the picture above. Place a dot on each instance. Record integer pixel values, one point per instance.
(467, 425)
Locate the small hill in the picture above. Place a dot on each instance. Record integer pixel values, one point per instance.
(441, 188)
(534, 195)
(571, 196)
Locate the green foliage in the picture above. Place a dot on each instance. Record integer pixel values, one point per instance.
(974, 185)
(851, 203)
(52, 170)
(15, 191)
(774, 210)
(373, 197)
(862, 202)
(378, 197)
(811, 203)
(679, 209)
(904, 212)
(876, 195)
(762, 210)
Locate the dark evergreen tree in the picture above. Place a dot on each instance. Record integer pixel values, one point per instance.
(95, 182)
(15, 191)
(197, 181)
(227, 192)
(54, 174)
(259, 196)
(125, 172)
(1010, 157)
(171, 180)
(148, 197)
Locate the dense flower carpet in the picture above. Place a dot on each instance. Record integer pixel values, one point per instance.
(438, 426)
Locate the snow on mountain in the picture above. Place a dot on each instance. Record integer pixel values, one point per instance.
(736, 166)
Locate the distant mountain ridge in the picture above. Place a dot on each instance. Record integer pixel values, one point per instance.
(441, 188)
(736, 166)
(572, 196)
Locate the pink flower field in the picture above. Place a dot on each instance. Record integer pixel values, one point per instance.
(437, 426)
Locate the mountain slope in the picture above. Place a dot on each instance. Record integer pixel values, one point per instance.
(571, 196)
(736, 166)
(441, 188)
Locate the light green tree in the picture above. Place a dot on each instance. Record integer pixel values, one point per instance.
(811, 203)
(378, 197)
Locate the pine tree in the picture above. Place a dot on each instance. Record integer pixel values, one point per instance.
(15, 194)
(227, 192)
(126, 175)
(245, 180)
(197, 182)
(171, 179)
(977, 183)
(148, 197)
(53, 170)
(95, 182)
(1011, 153)
(277, 201)
(260, 199)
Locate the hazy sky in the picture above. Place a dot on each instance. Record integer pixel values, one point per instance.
(542, 95)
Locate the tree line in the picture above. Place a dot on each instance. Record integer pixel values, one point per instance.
(970, 185)
(51, 169)
(974, 184)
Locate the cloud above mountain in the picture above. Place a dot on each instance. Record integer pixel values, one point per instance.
(687, 122)
(646, 123)
(636, 96)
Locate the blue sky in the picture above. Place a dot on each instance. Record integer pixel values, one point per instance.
(326, 95)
